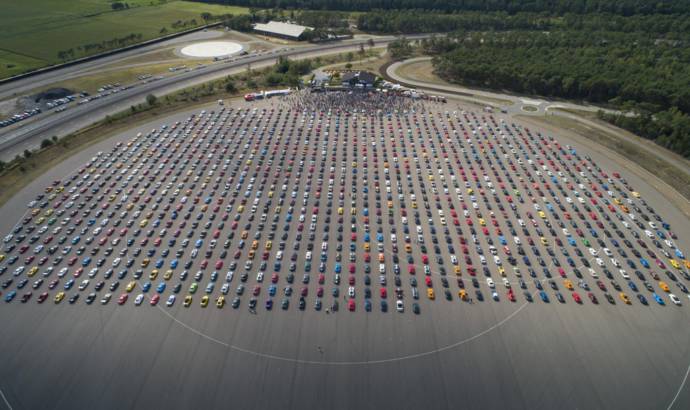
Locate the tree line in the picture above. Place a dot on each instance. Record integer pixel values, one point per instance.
(620, 7)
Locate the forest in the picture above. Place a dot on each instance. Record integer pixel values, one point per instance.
(621, 7)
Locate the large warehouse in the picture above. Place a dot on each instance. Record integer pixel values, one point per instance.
(280, 29)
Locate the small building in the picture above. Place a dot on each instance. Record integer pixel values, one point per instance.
(358, 79)
(287, 31)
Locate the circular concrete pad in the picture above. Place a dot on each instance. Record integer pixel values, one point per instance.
(211, 49)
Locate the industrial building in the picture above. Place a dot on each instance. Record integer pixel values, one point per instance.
(282, 30)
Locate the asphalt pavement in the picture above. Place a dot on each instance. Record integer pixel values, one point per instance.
(453, 354)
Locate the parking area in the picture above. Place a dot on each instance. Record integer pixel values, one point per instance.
(336, 247)
(282, 208)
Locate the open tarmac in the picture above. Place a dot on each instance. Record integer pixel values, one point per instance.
(453, 354)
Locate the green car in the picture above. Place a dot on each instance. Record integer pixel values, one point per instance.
(586, 242)
(193, 288)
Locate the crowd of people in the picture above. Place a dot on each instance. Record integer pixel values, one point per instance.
(370, 102)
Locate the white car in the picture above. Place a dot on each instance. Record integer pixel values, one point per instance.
(490, 282)
(171, 300)
(593, 252)
(674, 299)
(351, 291)
(260, 277)
(399, 306)
(139, 299)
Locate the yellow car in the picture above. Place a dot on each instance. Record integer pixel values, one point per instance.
(269, 245)
(501, 271)
(168, 274)
(366, 247)
(245, 234)
(482, 222)
(542, 215)
(59, 297)
(187, 301)
(154, 274)
(130, 286)
(270, 194)
(456, 269)
(463, 294)
(204, 301)
(414, 205)
(340, 211)
(430, 293)
(240, 208)
(220, 302)
(544, 241)
(2, 257)
(635, 194)
(32, 271)
(255, 244)
(408, 248)
(143, 223)
(145, 262)
(674, 263)
(687, 263)
(664, 286)
(353, 211)
(624, 298)
(568, 284)
(430, 177)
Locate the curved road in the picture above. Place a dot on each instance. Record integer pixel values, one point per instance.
(15, 140)
(543, 107)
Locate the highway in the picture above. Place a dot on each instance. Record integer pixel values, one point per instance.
(15, 140)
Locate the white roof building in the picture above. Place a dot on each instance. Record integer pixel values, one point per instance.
(281, 29)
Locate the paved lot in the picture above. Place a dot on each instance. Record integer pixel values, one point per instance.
(286, 160)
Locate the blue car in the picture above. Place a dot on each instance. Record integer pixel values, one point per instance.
(161, 287)
(199, 243)
(173, 264)
(76, 240)
(69, 284)
(338, 268)
(544, 296)
(658, 299)
(644, 262)
(146, 286)
(10, 296)
(632, 286)
(272, 290)
(86, 261)
(159, 263)
(367, 305)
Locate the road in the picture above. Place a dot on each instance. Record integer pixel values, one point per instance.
(15, 140)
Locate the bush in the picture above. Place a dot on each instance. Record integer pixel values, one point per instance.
(151, 99)
(27, 153)
(46, 143)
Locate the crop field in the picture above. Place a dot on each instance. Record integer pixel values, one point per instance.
(35, 32)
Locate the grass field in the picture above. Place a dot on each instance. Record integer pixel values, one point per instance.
(33, 32)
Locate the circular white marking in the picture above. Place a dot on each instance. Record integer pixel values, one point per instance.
(211, 49)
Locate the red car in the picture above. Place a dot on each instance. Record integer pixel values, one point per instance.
(427, 280)
(154, 300)
(351, 305)
(42, 297)
(123, 298)
(219, 265)
(383, 293)
(577, 298)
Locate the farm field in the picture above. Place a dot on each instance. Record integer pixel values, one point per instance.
(25, 27)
